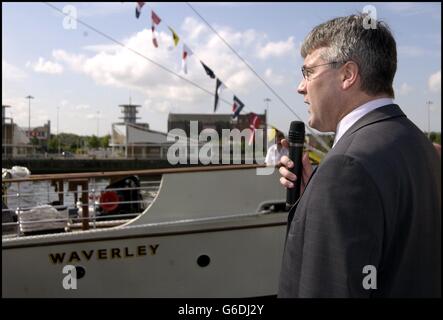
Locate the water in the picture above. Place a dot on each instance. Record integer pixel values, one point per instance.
(42, 192)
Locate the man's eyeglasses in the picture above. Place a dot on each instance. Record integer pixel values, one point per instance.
(307, 71)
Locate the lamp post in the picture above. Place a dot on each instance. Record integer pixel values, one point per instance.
(29, 97)
(98, 122)
(429, 102)
(267, 100)
(58, 133)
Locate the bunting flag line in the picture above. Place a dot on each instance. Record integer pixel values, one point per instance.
(138, 9)
(154, 38)
(155, 20)
(271, 133)
(237, 107)
(186, 53)
(175, 37)
(208, 71)
(219, 86)
(254, 123)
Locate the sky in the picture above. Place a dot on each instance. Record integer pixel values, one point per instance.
(78, 77)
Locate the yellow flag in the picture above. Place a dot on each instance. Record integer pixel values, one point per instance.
(174, 37)
(271, 133)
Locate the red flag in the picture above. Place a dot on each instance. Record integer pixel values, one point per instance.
(186, 52)
(237, 107)
(155, 20)
(254, 123)
(154, 39)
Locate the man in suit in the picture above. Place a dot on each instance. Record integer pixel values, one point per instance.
(368, 223)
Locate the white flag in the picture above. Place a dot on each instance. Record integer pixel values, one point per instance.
(186, 53)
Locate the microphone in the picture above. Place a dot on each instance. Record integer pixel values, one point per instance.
(296, 139)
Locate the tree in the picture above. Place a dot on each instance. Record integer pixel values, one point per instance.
(435, 137)
(93, 142)
(34, 141)
(52, 144)
(104, 141)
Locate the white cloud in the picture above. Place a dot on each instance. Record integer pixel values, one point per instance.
(74, 61)
(43, 66)
(115, 66)
(405, 89)
(122, 68)
(274, 78)
(90, 116)
(19, 111)
(192, 28)
(161, 106)
(276, 49)
(82, 107)
(434, 81)
(11, 72)
(102, 48)
(228, 4)
(96, 9)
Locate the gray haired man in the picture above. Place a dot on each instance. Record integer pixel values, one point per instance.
(368, 223)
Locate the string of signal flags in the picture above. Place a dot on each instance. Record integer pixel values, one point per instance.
(237, 105)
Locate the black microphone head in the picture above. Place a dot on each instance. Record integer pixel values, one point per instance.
(296, 132)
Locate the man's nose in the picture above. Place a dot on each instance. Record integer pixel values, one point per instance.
(302, 86)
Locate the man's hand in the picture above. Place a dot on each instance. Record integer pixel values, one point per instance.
(287, 177)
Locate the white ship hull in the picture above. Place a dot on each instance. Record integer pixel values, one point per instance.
(205, 235)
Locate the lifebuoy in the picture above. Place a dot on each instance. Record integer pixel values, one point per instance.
(106, 197)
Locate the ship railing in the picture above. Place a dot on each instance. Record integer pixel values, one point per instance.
(78, 194)
(79, 208)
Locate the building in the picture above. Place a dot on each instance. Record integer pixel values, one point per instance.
(218, 122)
(41, 133)
(130, 139)
(39, 136)
(15, 142)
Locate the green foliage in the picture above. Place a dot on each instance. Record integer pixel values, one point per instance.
(94, 142)
(34, 141)
(75, 143)
(435, 137)
(52, 144)
(104, 141)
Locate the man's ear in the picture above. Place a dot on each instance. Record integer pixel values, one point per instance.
(349, 74)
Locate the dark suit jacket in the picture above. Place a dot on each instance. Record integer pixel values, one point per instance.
(374, 200)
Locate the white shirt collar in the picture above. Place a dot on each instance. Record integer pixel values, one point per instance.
(356, 114)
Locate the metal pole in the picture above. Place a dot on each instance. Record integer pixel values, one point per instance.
(429, 118)
(267, 100)
(58, 133)
(29, 97)
(4, 137)
(3, 131)
(98, 122)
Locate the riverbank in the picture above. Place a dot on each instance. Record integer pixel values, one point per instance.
(49, 166)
